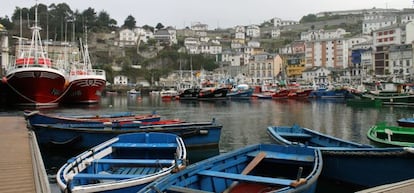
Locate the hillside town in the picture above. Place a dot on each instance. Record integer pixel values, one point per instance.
(321, 52)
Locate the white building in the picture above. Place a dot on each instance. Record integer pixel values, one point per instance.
(233, 58)
(253, 43)
(121, 80)
(197, 26)
(166, 36)
(253, 31)
(388, 35)
(142, 34)
(126, 38)
(331, 53)
(275, 33)
(322, 34)
(317, 75)
(409, 32)
(239, 32)
(401, 60)
(277, 22)
(375, 21)
(191, 45)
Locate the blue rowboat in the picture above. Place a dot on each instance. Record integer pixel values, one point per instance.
(36, 117)
(406, 122)
(123, 164)
(350, 162)
(291, 135)
(81, 136)
(255, 168)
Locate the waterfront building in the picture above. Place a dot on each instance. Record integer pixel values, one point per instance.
(400, 61)
(361, 61)
(331, 53)
(264, 68)
(293, 56)
(317, 75)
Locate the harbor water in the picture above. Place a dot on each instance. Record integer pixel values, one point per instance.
(244, 122)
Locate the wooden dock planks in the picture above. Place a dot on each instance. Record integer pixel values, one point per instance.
(16, 165)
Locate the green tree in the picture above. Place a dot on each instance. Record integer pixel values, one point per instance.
(105, 22)
(159, 26)
(5, 21)
(147, 27)
(130, 22)
(58, 16)
(89, 19)
(308, 18)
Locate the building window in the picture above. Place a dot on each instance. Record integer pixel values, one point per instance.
(379, 33)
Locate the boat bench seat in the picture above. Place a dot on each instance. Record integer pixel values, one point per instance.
(105, 176)
(247, 178)
(398, 132)
(144, 145)
(295, 135)
(284, 156)
(136, 161)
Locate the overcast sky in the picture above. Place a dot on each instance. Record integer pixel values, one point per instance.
(214, 13)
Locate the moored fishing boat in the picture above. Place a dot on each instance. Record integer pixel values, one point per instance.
(281, 94)
(85, 83)
(330, 93)
(241, 92)
(255, 168)
(386, 135)
(33, 78)
(353, 163)
(81, 136)
(125, 163)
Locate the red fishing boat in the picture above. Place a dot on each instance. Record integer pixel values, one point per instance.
(33, 78)
(85, 84)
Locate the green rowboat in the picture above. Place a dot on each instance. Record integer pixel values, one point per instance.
(384, 135)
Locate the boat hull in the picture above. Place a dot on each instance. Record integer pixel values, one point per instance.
(195, 135)
(368, 167)
(406, 122)
(240, 95)
(36, 86)
(35, 117)
(86, 90)
(392, 98)
(350, 162)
